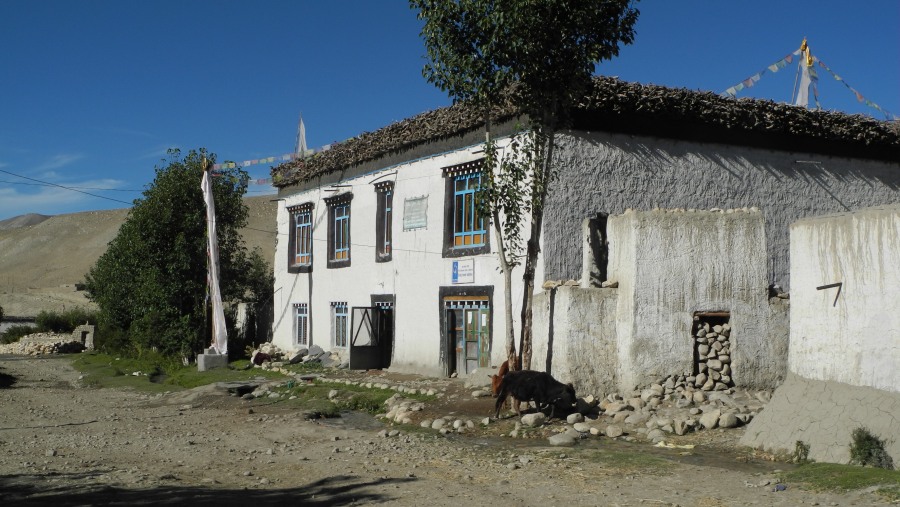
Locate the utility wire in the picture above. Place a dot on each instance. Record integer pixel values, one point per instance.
(66, 188)
(81, 188)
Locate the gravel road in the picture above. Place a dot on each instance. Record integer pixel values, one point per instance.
(63, 444)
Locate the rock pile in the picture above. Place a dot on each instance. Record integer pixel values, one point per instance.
(712, 350)
(270, 356)
(43, 343)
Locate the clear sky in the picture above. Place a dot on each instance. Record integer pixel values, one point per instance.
(92, 93)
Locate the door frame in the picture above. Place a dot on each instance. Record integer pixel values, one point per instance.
(448, 349)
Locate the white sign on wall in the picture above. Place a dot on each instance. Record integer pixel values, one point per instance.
(415, 213)
(462, 271)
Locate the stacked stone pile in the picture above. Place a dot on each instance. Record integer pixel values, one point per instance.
(713, 352)
(43, 343)
(270, 356)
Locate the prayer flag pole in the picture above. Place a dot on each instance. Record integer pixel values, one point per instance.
(219, 332)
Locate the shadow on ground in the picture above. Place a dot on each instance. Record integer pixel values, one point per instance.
(6, 380)
(34, 489)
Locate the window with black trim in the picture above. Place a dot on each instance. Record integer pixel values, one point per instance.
(340, 323)
(384, 217)
(465, 230)
(339, 230)
(300, 242)
(301, 324)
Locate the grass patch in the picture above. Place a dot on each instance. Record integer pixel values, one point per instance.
(838, 478)
(104, 370)
(349, 397)
(628, 462)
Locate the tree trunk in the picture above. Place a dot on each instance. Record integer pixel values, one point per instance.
(507, 294)
(534, 248)
(504, 267)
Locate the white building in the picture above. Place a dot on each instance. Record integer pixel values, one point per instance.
(385, 221)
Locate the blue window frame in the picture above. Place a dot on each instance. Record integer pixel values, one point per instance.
(340, 324)
(468, 226)
(301, 319)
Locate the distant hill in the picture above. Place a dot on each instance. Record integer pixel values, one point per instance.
(43, 257)
(22, 221)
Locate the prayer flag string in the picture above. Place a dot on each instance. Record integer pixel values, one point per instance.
(859, 97)
(752, 80)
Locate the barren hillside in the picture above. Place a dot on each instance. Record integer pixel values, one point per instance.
(40, 264)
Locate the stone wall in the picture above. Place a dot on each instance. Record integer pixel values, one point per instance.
(578, 344)
(604, 172)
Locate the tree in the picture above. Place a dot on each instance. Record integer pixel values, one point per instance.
(543, 54)
(151, 281)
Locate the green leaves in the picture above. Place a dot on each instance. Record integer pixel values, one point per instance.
(151, 282)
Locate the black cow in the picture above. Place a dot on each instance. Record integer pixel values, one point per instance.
(537, 386)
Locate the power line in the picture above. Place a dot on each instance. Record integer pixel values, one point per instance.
(66, 188)
(80, 188)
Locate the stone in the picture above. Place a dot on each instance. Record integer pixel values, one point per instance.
(426, 423)
(716, 346)
(613, 431)
(533, 420)
(710, 419)
(699, 397)
(728, 420)
(636, 418)
(574, 418)
(581, 427)
(720, 386)
(717, 329)
(703, 349)
(636, 403)
(550, 285)
(680, 427)
(724, 359)
(701, 367)
(298, 356)
(617, 406)
(438, 424)
(568, 437)
(607, 284)
(656, 435)
(701, 333)
(701, 378)
(657, 389)
(480, 394)
(714, 364)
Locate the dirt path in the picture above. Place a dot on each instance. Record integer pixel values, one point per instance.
(62, 444)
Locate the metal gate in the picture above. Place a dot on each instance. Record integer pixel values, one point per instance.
(371, 338)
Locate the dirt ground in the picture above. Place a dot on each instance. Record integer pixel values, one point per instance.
(63, 444)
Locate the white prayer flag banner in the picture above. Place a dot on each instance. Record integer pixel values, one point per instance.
(220, 333)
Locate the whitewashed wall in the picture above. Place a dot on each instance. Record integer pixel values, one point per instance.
(671, 264)
(414, 274)
(852, 337)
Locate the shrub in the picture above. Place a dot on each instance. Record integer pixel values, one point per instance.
(867, 449)
(65, 322)
(15, 333)
(801, 452)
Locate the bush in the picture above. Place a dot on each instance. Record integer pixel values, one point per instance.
(801, 452)
(15, 333)
(868, 450)
(65, 322)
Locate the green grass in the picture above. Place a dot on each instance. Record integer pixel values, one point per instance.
(834, 477)
(104, 370)
(628, 462)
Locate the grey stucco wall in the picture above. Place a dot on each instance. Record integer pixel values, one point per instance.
(583, 349)
(603, 172)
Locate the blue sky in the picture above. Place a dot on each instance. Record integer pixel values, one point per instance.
(92, 93)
